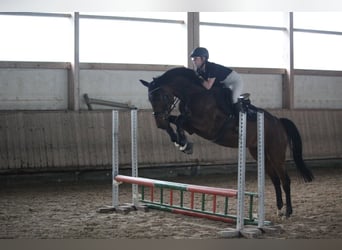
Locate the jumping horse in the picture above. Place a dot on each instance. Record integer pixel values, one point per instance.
(201, 114)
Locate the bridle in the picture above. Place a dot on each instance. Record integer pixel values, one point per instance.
(165, 114)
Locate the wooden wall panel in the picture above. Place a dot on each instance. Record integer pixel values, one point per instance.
(58, 140)
(320, 131)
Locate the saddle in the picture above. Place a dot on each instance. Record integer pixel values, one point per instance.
(246, 106)
(224, 101)
(231, 122)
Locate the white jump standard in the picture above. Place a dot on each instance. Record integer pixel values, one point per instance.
(180, 189)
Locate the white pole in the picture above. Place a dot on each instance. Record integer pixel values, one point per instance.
(261, 169)
(134, 150)
(115, 157)
(241, 171)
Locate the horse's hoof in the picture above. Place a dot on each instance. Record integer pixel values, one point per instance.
(288, 212)
(280, 213)
(187, 148)
(182, 148)
(287, 215)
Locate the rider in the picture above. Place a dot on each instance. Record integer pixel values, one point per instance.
(212, 73)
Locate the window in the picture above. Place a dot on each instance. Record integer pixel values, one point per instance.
(274, 19)
(244, 39)
(317, 40)
(317, 51)
(35, 38)
(150, 38)
(331, 21)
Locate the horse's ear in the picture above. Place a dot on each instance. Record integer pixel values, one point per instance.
(145, 83)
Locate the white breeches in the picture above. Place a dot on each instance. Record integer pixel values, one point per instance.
(235, 83)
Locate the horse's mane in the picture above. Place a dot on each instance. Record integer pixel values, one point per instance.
(176, 72)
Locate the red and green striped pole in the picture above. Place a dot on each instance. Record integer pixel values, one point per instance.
(153, 184)
(176, 186)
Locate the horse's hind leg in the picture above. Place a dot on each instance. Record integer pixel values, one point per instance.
(281, 178)
(274, 178)
(287, 189)
(269, 169)
(277, 186)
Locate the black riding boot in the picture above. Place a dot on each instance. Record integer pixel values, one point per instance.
(236, 109)
(224, 106)
(224, 103)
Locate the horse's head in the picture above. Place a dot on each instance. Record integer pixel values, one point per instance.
(163, 92)
(162, 101)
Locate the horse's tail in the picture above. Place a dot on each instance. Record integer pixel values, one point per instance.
(295, 142)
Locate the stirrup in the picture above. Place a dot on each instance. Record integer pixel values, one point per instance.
(244, 96)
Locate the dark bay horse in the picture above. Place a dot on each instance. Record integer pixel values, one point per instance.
(200, 114)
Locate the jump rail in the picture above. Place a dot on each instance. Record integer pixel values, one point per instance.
(189, 208)
(89, 101)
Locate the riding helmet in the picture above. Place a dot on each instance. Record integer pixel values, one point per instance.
(200, 52)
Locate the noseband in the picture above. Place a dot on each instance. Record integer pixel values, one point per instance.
(165, 114)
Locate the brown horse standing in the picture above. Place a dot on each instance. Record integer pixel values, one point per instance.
(200, 114)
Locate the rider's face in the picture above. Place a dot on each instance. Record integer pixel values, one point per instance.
(198, 61)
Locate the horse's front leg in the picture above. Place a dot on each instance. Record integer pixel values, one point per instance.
(172, 134)
(179, 143)
(183, 143)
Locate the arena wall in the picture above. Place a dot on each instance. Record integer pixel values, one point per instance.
(35, 141)
(44, 86)
(38, 131)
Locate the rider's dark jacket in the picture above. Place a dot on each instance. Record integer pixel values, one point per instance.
(213, 70)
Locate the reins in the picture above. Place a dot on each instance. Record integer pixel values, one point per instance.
(167, 112)
(174, 104)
